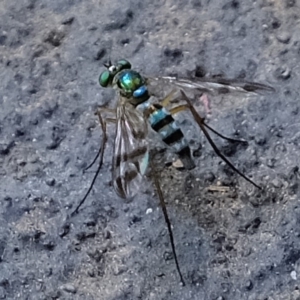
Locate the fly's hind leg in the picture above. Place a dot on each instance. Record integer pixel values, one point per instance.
(202, 125)
(99, 154)
(166, 216)
(172, 95)
(183, 107)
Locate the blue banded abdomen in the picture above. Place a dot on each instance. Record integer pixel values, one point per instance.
(162, 122)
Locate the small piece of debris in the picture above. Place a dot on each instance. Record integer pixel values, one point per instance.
(149, 211)
(69, 288)
(178, 164)
(283, 37)
(283, 73)
(294, 275)
(217, 188)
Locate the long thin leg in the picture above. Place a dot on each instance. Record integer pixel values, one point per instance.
(164, 209)
(166, 101)
(104, 139)
(202, 125)
(107, 120)
(94, 160)
(179, 108)
(221, 135)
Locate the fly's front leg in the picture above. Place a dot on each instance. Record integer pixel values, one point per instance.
(107, 120)
(100, 154)
(202, 125)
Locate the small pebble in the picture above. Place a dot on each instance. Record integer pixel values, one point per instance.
(249, 285)
(294, 275)
(69, 288)
(91, 273)
(178, 164)
(283, 72)
(283, 37)
(276, 183)
(50, 182)
(118, 270)
(271, 162)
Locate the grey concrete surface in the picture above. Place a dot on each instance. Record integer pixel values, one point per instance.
(234, 242)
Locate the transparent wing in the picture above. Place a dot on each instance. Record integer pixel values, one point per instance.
(218, 90)
(220, 85)
(215, 85)
(131, 155)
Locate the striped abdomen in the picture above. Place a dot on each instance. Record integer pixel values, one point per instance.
(162, 122)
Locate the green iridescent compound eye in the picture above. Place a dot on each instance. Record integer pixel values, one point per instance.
(104, 78)
(124, 64)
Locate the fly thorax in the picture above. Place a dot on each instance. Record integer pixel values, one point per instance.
(132, 86)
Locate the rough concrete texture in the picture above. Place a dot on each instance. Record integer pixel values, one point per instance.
(233, 241)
